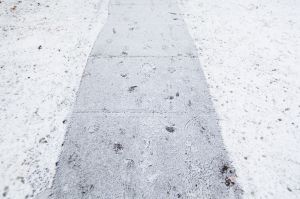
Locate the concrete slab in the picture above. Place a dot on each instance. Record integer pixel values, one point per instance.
(163, 84)
(142, 155)
(146, 39)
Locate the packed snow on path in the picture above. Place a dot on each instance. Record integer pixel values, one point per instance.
(43, 49)
(249, 51)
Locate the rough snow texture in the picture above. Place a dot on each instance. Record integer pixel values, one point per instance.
(44, 47)
(250, 54)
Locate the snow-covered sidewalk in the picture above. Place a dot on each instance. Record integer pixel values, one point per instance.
(249, 51)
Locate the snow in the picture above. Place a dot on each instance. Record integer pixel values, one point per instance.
(44, 47)
(249, 51)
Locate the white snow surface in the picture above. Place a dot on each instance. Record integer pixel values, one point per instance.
(249, 51)
(44, 47)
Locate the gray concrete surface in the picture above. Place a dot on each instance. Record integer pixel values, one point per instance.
(144, 125)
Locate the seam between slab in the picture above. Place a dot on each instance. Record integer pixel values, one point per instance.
(144, 56)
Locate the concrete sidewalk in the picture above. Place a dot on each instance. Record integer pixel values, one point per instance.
(143, 125)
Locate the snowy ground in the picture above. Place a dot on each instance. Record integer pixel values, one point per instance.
(43, 49)
(249, 51)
